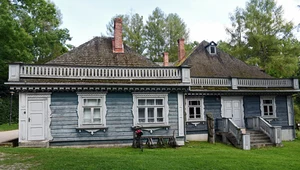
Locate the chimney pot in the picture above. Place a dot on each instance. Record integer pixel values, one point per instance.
(181, 50)
(166, 59)
(118, 40)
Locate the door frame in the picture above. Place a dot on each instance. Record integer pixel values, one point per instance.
(241, 106)
(47, 114)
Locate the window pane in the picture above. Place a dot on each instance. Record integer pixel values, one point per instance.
(141, 115)
(86, 115)
(150, 101)
(159, 101)
(267, 101)
(141, 102)
(159, 112)
(160, 117)
(96, 113)
(150, 114)
(92, 102)
(97, 120)
(194, 103)
(198, 114)
(265, 109)
(191, 112)
(212, 50)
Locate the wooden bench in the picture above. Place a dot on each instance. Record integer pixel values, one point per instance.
(162, 140)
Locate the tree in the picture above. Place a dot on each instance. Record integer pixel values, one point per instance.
(175, 29)
(30, 33)
(133, 31)
(260, 36)
(155, 34)
(158, 35)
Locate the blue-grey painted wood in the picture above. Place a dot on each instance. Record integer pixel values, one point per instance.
(281, 112)
(251, 106)
(119, 120)
(212, 104)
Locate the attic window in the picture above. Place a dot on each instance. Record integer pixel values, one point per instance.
(212, 48)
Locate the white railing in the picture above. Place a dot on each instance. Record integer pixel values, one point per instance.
(265, 83)
(238, 82)
(234, 130)
(211, 81)
(274, 132)
(18, 71)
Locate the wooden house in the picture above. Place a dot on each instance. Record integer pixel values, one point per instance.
(97, 93)
(247, 104)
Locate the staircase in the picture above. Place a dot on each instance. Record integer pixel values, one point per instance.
(258, 139)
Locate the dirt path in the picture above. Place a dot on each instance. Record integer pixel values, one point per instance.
(8, 135)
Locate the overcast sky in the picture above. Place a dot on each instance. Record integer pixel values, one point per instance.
(206, 19)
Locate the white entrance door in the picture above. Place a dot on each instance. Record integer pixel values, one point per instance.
(232, 108)
(37, 111)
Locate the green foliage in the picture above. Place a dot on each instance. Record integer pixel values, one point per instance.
(195, 155)
(158, 35)
(297, 113)
(29, 32)
(5, 109)
(260, 36)
(7, 127)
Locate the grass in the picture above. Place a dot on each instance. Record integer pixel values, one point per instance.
(195, 155)
(6, 127)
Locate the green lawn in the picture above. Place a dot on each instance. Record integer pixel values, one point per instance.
(6, 127)
(196, 155)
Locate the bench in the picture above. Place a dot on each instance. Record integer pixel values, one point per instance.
(162, 140)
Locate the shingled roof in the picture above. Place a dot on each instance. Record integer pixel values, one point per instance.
(222, 64)
(99, 52)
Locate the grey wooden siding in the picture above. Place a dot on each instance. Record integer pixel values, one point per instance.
(212, 104)
(281, 111)
(251, 106)
(119, 120)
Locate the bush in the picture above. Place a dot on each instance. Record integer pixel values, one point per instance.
(5, 109)
(297, 112)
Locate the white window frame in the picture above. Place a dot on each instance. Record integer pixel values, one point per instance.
(81, 97)
(262, 98)
(202, 117)
(165, 107)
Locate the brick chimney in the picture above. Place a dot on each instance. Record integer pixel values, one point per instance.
(181, 50)
(166, 59)
(117, 42)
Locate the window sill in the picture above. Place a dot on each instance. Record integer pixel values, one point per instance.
(92, 128)
(194, 121)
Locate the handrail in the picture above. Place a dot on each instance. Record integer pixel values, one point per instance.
(274, 132)
(242, 82)
(234, 130)
(20, 70)
(259, 123)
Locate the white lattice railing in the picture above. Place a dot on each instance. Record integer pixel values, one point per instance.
(211, 81)
(237, 82)
(70, 72)
(265, 83)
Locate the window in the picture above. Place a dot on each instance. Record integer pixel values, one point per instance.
(195, 110)
(268, 107)
(91, 110)
(150, 109)
(213, 49)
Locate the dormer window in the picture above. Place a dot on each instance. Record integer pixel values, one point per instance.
(212, 48)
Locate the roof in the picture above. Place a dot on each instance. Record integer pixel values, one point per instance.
(98, 52)
(219, 65)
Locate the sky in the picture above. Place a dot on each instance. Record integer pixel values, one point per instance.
(205, 19)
